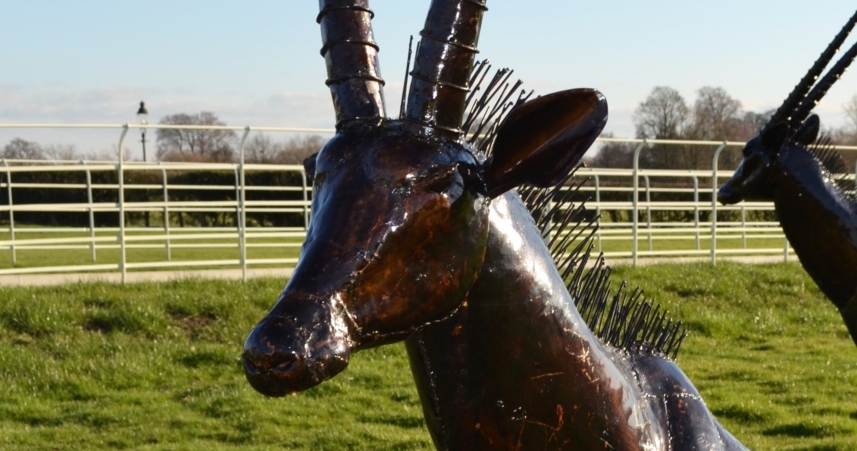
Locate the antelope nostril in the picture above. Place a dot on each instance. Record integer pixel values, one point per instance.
(249, 368)
(284, 367)
(278, 364)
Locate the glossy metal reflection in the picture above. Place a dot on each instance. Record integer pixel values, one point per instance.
(517, 366)
(414, 237)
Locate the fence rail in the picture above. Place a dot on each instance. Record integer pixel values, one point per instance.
(637, 209)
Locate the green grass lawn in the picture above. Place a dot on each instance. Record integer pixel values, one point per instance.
(671, 243)
(268, 248)
(156, 366)
(768, 352)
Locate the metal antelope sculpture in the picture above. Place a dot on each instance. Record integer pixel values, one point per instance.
(788, 165)
(415, 236)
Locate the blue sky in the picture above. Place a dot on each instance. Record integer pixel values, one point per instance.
(256, 62)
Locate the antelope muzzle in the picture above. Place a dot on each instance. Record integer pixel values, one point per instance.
(295, 347)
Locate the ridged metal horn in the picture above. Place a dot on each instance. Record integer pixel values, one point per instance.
(800, 91)
(351, 56)
(443, 64)
(820, 89)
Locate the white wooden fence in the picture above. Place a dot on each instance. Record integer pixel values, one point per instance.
(628, 195)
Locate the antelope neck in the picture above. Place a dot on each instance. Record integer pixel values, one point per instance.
(519, 321)
(819, 222)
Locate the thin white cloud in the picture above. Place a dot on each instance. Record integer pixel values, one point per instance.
(117, 105)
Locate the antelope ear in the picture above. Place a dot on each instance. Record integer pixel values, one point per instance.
(808, 131)
(541, 140)
(774, 136)
(309, 167)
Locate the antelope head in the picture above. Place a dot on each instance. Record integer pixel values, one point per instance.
(400, 207)
(791, 125)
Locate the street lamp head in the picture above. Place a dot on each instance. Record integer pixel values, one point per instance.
(143, 119)
(143, 114)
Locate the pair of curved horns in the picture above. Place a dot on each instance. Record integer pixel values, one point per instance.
(807, 93)
(443, 64)
(351, 56)
(441, 71)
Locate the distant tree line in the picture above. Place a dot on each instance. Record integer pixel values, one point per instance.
(664, 114)
(222, 145)
(186, 145)
(713, 116)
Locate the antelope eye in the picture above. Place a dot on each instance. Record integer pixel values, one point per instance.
(452, 180)
(318, 178)
(438, 179)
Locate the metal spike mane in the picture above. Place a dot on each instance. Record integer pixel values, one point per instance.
(824, 151)
(487, 111)
(622, 318)
(801, 90)
(405, 84)
(833, 164)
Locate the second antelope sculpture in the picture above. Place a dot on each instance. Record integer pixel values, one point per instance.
(788, 165)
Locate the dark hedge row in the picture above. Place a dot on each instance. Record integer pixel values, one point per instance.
(227, 179)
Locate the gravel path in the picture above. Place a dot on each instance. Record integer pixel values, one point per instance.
(140, 276)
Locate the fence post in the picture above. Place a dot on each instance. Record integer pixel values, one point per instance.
(597, 211)
(696, 209)
(305, 187)
(242, 215)
(120, 169)
(166, 214)
(91, 212)
(714, 201)
(635, 201)
(11, 213)
(648, 210)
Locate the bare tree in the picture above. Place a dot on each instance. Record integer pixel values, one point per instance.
(851, 112)
(612, 155)
(21, 149)
(751, 123)
(299, 148)
(664, 114)
(263, 149)
(111, 154)
(848, 133)
(195, 145)
(716, 115)
(61, 152)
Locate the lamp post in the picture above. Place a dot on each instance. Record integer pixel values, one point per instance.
(143, 119)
